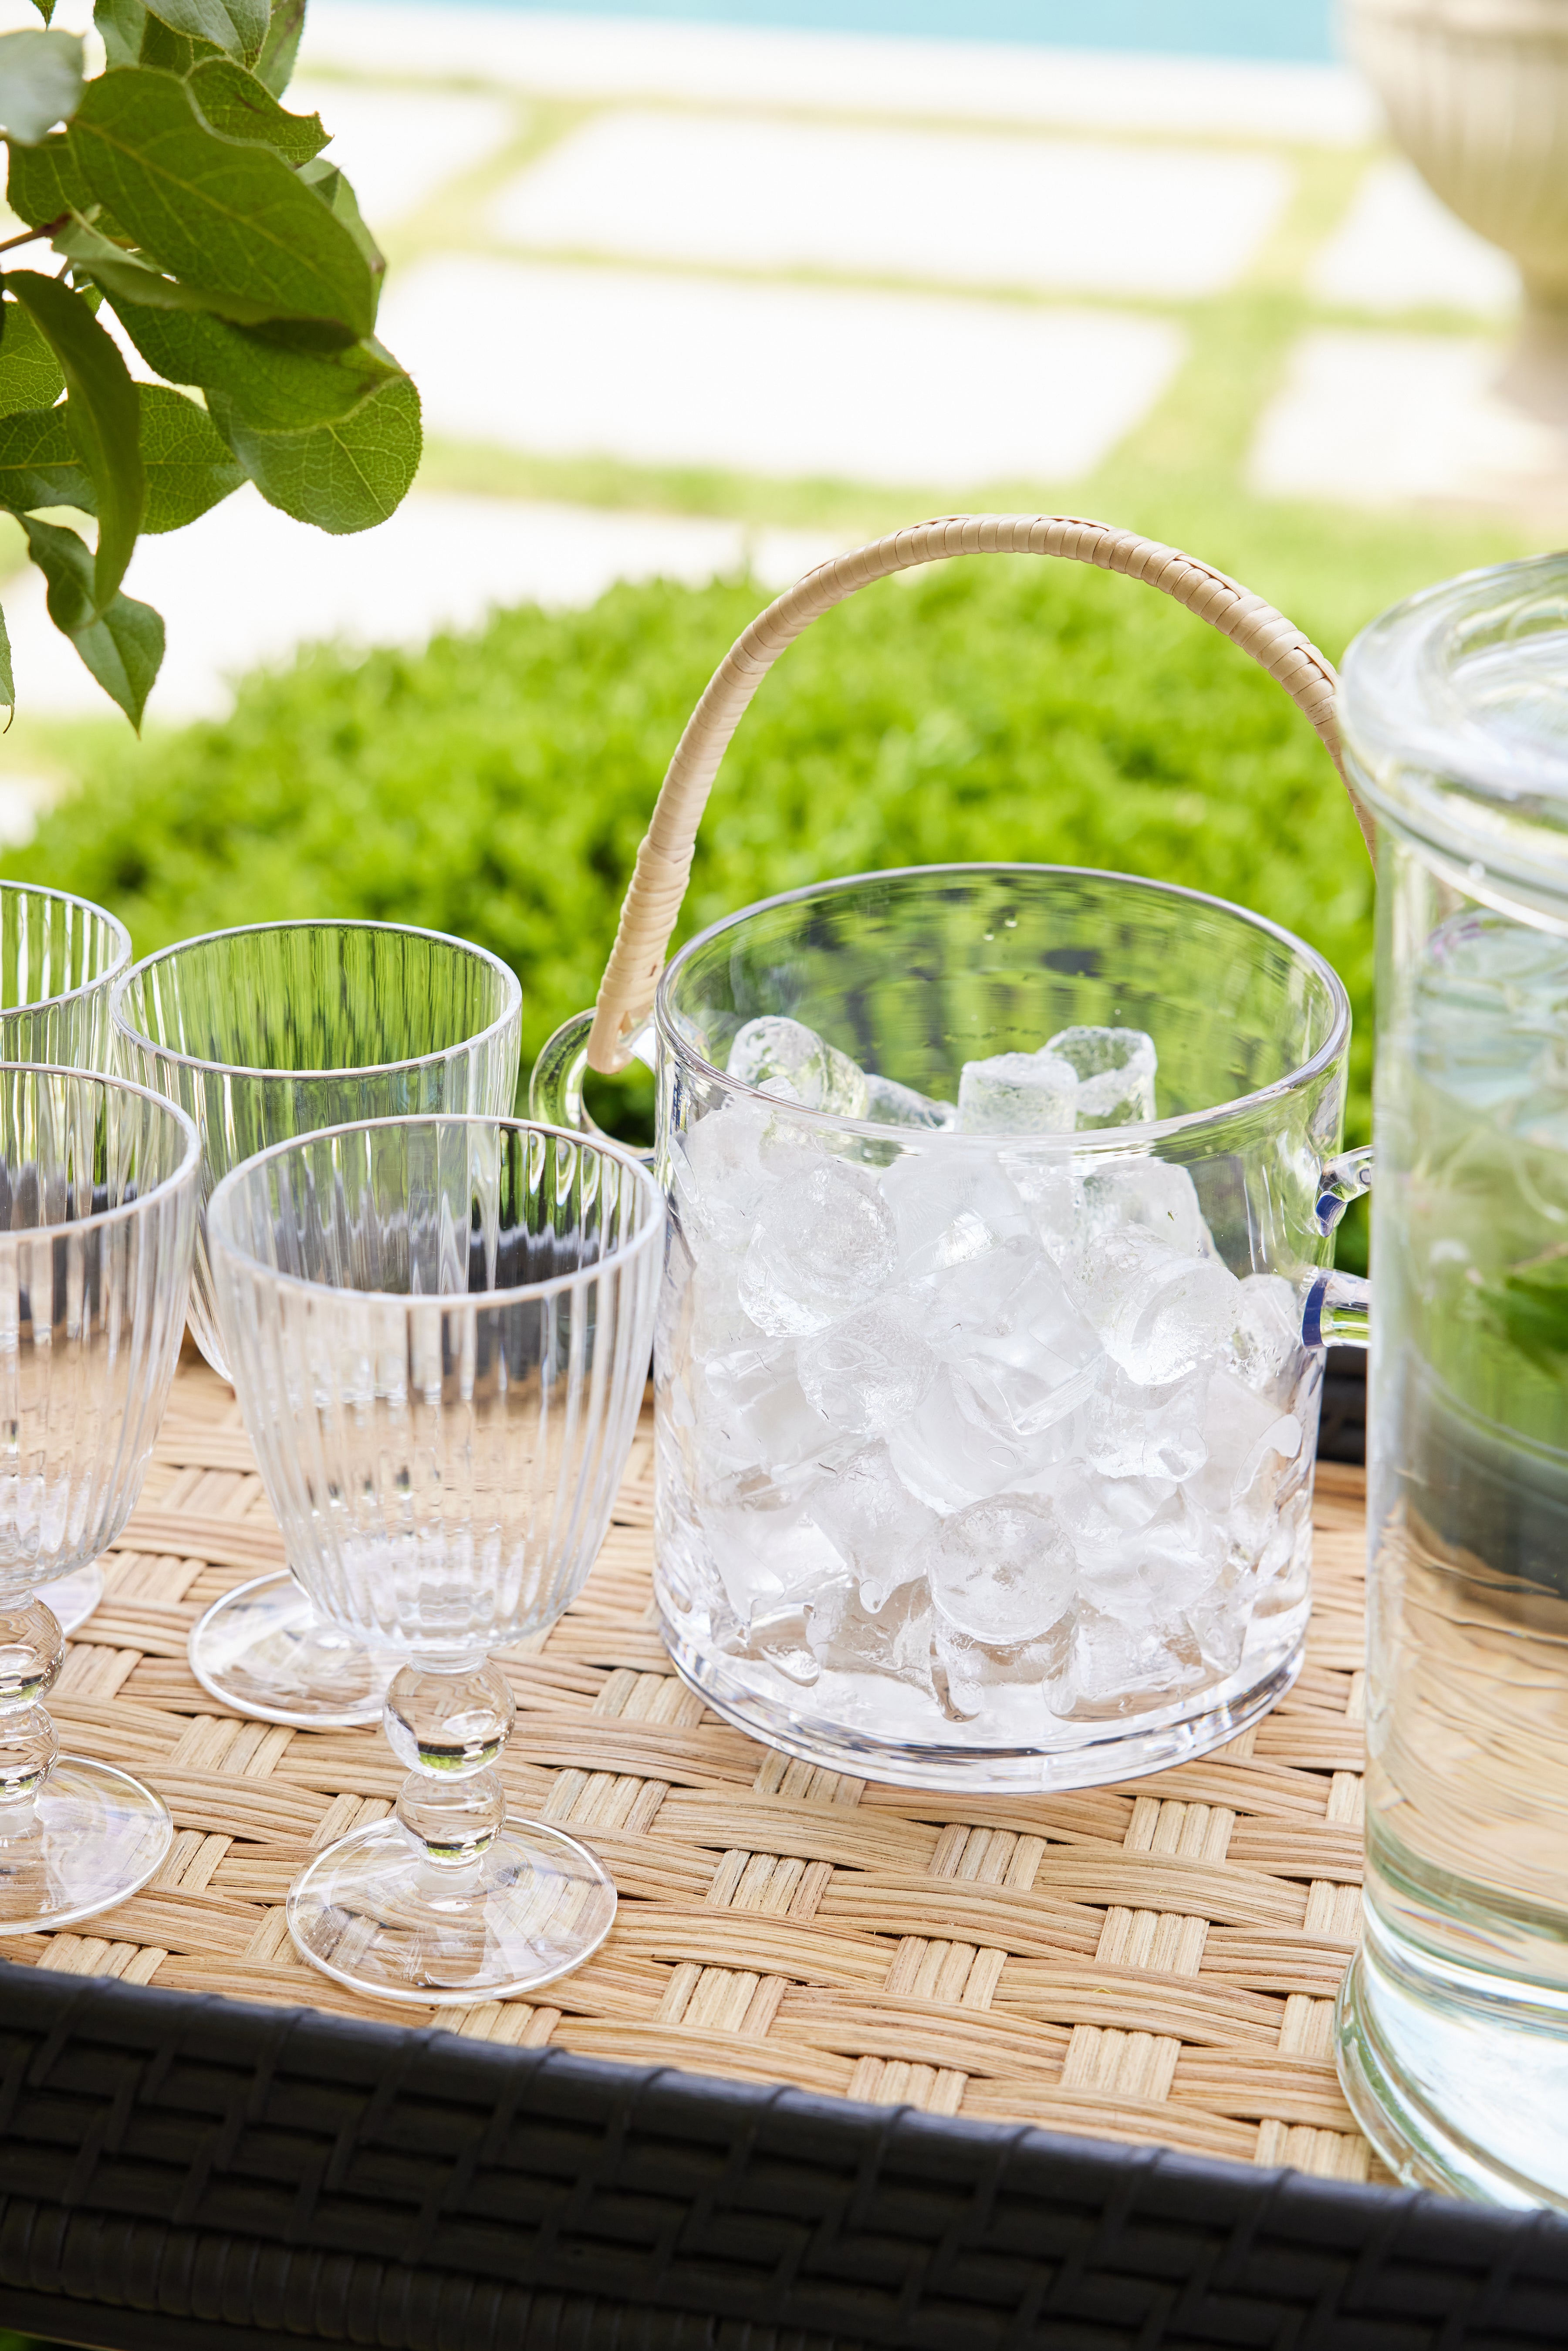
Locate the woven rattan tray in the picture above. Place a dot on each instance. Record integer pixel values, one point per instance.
(1022, 2031)
(1156, 1962)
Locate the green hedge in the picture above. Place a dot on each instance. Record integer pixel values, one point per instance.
(496, 785)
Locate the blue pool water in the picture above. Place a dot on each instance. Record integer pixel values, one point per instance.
(1279, 29)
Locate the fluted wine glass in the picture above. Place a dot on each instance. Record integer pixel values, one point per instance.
(270, 1032)
(98, 1218)
(440, 1331)
(59, 959)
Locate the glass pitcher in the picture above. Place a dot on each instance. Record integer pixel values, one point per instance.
(1454, 2019)
(998, 1277)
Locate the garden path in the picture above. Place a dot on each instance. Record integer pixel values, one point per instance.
(679, 295)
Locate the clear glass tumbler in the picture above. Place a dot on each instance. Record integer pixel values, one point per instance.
(990, 1349)
(440, 1332)
(59, 959)
(98, 1218)
(261, 1035)
(1454, 2018)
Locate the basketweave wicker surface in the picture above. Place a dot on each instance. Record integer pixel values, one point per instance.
(1153, 1963)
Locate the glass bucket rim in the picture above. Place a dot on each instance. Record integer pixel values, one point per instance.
(184, 1173)
(116, 972)
(119, 1020)
(1108, 1139)
(625, 1254)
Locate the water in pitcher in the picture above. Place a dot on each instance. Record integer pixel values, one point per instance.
(1466, 1951)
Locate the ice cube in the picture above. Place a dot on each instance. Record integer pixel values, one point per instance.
(869, 1372)
(717, 1177)
(1051, 1190)
(1242, 1430)
(1103, 1515)
(1018, 1094)
(753, 1411)
(950, 1459)
(1130, 1431)
(1115, 1070)
(778, 1638)
(1266, 1344)
(877, 1524)
(1154, 1195)
(846, 1637)
(1159, 1314)
(973, 1671)
(1001, 1571)
(767, 1553)
(784, 1057)
(1023, 1354)
(892, 1104)
(824, 1243)
(949, 1206)
(1116, 1668)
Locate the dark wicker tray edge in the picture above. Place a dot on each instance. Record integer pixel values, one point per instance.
(176, 2170)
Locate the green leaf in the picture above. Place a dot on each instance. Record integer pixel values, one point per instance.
(121, 25)
(334, 190)
(272, 389)
(104, 414)
(1530, 1304)
(7, 683)
(40, 464)
(40, 82)
(344, 476)
(281, 47)
(45, 9)
(238, 26)
(120, 274)
(176, 53)
(239, 106)
(189, 465)
(224, 217)
(30, 375)
(44, 183)
(122, 644)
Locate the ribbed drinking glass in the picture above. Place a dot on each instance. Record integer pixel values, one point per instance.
(98, 1218)
(440, 1331)
(270, 1032)
(59, 958)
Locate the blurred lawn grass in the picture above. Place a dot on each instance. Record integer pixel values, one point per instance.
(496, 785)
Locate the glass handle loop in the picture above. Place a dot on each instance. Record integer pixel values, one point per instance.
(1342, 1180)
(555, 1086)
(1338, 1311)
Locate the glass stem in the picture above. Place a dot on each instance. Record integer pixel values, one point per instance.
(449, 1724)
(32, 1648)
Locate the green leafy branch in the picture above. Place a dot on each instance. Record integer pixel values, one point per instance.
(179, 192)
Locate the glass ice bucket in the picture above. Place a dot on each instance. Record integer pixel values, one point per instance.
(1454, 2021)
(994, 1293)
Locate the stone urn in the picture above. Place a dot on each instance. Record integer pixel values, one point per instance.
(1476, 92)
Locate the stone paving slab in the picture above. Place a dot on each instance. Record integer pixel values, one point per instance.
(1372, 418)
(398, 146)
(970, 208)
(735, 65)
(787, 380)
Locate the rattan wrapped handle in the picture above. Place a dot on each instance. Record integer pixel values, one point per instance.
(663, 862)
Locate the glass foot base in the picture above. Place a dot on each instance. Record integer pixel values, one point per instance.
(1460, 2095)
(93, 1837)
(72, 1599)
(372, 1914)
(264, 1651)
